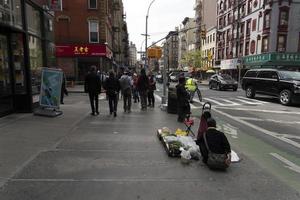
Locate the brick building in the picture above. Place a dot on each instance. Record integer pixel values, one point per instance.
(170, 50)
(254, 33)
(97, 36)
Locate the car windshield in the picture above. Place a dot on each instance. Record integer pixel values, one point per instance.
(225, 77)
(290, 75)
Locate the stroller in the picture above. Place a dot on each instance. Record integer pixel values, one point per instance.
(206, 113)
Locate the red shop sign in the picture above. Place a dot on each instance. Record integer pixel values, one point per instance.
(82, 50)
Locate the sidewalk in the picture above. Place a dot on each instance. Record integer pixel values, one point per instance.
(77, 156)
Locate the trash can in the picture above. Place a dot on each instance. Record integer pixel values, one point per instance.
(172, 100)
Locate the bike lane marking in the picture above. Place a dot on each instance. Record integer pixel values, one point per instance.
(290, 165)
(270, 133)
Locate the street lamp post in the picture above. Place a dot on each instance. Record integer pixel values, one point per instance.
(146, 35)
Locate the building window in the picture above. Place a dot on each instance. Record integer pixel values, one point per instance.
(265, 44)
(92, 4)
(284, 18)
(254, 25)
(241, 48)
(242, 29)
(247, 48)
(248, 28)
(214, 35)
(93, 31)
(281, 43)
(249, 6)
(267, 21)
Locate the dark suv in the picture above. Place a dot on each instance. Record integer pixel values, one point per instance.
(282, 84)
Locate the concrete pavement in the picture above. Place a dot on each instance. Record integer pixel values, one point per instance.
(79, 156)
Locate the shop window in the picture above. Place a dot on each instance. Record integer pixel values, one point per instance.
(5, 84)
(18, 62)
(10, 12)
(93, 31)
(281, 43)
(267, 21)
(92, 4)
(34, 26)
(36, 62)
(265, 44)
(284, 17)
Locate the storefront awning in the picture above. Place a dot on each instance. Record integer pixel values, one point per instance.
(273, 59)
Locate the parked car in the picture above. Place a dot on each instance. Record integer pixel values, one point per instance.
(222, 82)
(174, 76)
(285, 85)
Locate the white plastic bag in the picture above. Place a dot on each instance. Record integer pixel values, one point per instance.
(195, 152)
(185, 156)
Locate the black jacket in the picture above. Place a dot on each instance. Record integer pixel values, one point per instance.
(92, 83)
(182, 95)
(217, 141)
(143, 83)
(112, 86)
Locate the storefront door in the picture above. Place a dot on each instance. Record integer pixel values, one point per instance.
(6, 97)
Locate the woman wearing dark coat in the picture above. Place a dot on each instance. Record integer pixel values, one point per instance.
(183, 105)
(143, 86)
(112, 87)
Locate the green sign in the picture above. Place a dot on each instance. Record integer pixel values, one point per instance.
(290, 59)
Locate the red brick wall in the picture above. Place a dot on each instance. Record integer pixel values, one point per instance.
(76, 30)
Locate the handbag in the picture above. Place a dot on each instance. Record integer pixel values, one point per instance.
(215, 160)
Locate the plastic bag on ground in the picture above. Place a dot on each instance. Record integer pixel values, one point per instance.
(185, 156)
(234, 157)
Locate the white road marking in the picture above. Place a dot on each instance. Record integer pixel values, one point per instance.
(270, 133)
(269, 120)
(255, 100)
(248, 102)
(229, 129)
(265, 111)
(290, 165)
(214, 101)
(231, 103)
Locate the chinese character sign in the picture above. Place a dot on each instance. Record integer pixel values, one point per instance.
(51, 88)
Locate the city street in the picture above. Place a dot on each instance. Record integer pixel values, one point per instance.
(79, 156)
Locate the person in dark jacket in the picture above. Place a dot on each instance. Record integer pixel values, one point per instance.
(64, 90)
(216, 141)
(112, 87)
(143, 86)
(92, 86)
(152, 88)
(183, 105)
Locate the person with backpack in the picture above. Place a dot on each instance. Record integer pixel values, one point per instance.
(112, 87)
(126, 85)
(215, 148)
(143, 86)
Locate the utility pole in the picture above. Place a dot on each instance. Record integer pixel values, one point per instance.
(146, 34)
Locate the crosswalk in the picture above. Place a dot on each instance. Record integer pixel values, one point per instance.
(228, 101)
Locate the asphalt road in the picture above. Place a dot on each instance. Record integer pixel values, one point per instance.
(260, 128)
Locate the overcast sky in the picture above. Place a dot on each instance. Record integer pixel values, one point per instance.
(164, 16)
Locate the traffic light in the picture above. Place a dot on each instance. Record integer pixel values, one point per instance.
(203, 34)
(154, 52)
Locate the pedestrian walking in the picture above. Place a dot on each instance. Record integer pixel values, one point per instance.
(152, 88)
(143, 86)
(112, 87)
(183, 105)
(134, 89)
(92, 86)
(126, 86)
(64, 90)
